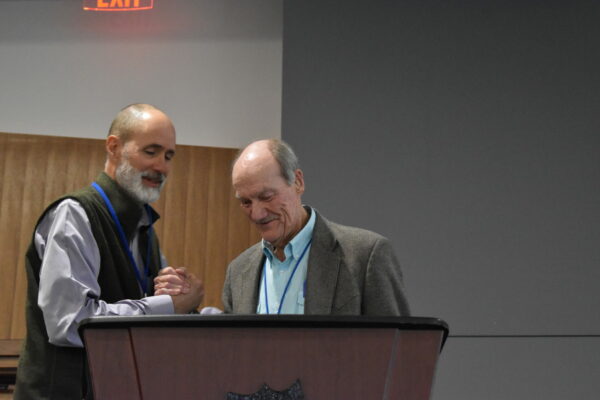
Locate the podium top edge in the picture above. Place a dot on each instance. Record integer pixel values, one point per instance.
(267, 321)
(271, 321)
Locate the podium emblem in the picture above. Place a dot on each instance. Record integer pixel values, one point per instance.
(294, 392)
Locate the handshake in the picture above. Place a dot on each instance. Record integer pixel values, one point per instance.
(185, 289)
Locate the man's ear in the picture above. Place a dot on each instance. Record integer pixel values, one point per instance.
(113, 146)
(299, 181)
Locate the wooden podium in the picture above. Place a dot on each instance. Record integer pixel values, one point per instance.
(206, 357)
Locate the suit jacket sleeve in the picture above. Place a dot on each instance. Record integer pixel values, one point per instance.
(384, 288)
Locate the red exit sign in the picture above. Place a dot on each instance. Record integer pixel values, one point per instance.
(117, 5)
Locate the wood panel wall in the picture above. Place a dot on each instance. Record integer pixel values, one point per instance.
(202, 227)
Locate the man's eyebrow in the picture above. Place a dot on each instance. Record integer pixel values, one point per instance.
(259, 195)
(265, 192)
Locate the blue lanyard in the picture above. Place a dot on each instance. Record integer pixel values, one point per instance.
(143, 282)
(288, 282)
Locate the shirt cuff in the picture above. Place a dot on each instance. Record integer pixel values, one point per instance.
(162, 304)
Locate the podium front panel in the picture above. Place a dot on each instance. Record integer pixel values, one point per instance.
(337, 360)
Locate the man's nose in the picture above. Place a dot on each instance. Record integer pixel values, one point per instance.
(258, 212)
(162, 166)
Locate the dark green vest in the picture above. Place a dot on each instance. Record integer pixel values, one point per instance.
(53, 372)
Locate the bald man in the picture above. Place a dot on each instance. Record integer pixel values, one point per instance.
(94, 253)
(304, 264)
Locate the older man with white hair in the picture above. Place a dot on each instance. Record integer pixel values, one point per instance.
(304, 264)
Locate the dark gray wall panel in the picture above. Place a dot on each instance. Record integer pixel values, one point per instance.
(519, 369)
(468, 133)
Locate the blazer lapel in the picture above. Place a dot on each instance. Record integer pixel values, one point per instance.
(323, 269)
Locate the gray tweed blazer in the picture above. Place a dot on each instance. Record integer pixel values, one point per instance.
(351, 271)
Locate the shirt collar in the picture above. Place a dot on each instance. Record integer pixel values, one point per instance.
(298, 242)
(149, 217)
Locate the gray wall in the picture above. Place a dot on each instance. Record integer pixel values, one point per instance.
(468, 133)
(213, 65)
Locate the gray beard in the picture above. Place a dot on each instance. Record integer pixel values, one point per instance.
(130, 179)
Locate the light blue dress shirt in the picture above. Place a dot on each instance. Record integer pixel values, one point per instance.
(276, 274)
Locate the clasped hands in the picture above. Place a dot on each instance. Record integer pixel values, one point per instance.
(185, 289)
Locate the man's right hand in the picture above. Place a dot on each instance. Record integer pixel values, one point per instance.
(189, 301)
(171, 281)
(185, 289)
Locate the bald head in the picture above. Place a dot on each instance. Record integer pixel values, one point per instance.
(133, 118)
(276, 149)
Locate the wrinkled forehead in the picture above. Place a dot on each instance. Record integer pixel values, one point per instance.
(250, 178)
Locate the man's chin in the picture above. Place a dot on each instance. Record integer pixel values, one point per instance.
(273, 239)
(146, 195)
